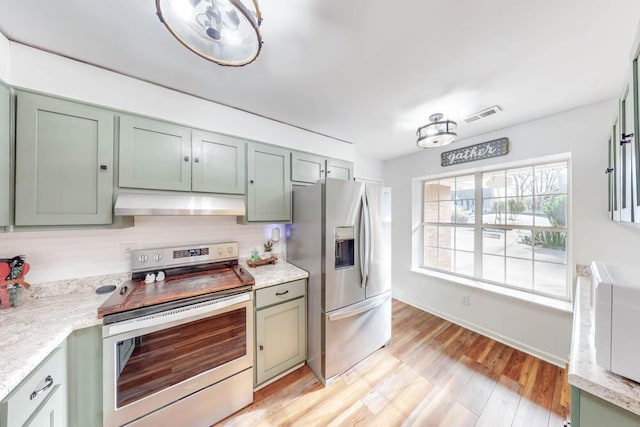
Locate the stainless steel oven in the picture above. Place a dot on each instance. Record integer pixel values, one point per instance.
(179, 351)
(159, 368)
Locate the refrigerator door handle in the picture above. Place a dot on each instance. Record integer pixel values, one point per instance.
(368, 238)
(362, 243)
(358, 308)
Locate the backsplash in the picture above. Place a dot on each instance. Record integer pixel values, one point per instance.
(60, 255)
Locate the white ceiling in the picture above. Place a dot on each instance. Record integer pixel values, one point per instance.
(367, 72)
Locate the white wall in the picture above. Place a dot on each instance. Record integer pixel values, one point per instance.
(58, 255)
(4, 58)
(367, 167)
(41, 71)
(582, 132)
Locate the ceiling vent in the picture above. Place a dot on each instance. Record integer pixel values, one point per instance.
(484, 113)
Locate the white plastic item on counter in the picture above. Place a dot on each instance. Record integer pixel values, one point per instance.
(616, 303)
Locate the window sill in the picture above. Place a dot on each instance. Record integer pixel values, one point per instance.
(546, 302)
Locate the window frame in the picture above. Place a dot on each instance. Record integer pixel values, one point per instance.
(419, 224)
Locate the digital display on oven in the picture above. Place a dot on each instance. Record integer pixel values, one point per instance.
(185, 253)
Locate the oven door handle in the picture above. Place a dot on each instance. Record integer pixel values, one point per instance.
(174, 316)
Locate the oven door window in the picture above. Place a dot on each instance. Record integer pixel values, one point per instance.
(149, 363)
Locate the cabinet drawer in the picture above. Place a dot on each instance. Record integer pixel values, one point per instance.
(19, 405)
(280, 293)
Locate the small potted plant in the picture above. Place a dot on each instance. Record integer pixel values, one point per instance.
(268, 247)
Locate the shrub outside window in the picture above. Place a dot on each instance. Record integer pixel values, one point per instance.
(505, 227)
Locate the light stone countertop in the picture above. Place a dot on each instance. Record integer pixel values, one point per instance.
(269, 275)
(584, 372)
(52, 311)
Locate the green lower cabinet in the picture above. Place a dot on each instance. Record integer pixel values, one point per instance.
(52, 412)
(85, 377)
(281, 336)
(588, 410)
(41, 398)
(5, 155)
(269, 183)
(64, 162)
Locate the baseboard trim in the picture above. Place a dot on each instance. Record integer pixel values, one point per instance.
(543, 355)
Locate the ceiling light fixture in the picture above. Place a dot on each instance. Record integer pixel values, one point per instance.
(438, 133)
(223, 31)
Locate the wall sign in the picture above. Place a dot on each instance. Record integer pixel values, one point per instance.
(484, 150)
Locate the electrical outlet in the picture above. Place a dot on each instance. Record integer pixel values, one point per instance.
(127, 248)
(466, 300)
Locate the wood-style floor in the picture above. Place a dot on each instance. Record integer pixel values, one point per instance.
(433, 373)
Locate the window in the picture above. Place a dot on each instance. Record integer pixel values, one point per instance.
(506, 227)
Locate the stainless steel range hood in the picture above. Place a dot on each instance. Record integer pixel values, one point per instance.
(129, 204)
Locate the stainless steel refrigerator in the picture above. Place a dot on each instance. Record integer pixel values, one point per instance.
(341, 236)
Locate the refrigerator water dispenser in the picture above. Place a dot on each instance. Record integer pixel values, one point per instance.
(345, 247)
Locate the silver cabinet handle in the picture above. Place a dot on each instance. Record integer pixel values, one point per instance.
(196, 159)
(282, 293)
(48, 383)
(186, 158)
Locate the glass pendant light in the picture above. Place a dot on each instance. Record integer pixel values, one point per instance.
(223, 31)
(438, 133)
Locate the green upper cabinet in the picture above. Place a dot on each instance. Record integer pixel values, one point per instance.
(64, 162)
(340, 169)
(5, 154)
(611, 175)
(635, 112)
(154, 154)
(307, 167)
(218, 163)
(269, 183)
(625, 157)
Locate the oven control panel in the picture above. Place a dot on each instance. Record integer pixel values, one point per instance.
(147, 259)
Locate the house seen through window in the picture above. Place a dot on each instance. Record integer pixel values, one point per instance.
(506, 227)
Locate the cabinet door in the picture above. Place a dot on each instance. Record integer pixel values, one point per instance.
(5, 154)
(611, 176)
(635, 113)
(339, 169)
(307, 167)
(154, 154)
(269, 187)
(595, 412)
(52, 413)
(218, 163)
(281, 338)
(64, 162)
(626, 157)
(85, 376)
(617, 179)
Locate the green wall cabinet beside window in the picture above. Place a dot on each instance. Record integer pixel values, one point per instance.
(218, 163)
(269, 183)
(64, 162)
(154, 154)
(5, 154)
